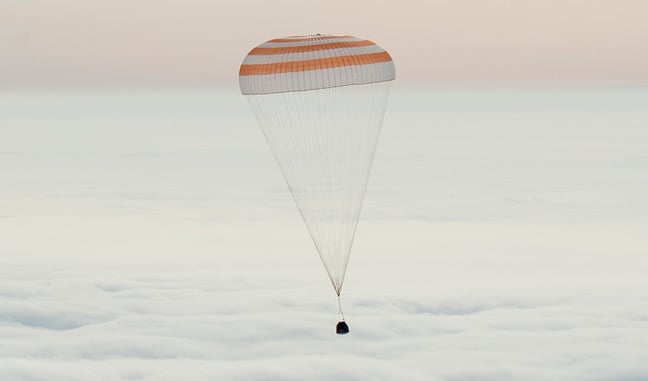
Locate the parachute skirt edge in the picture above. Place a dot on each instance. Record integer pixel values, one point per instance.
(317, 79)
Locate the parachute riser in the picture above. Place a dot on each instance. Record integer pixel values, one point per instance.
(340, 312)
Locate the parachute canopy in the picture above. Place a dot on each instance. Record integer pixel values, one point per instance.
(320, 101)
(303, 63)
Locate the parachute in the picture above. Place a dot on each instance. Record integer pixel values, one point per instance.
(320, 101)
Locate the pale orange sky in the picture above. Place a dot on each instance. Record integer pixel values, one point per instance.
(145, 43)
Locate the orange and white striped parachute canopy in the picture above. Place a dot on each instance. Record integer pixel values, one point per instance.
(302, 63)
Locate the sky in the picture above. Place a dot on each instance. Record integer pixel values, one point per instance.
(198, 43)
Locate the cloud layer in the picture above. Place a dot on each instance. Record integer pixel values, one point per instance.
(144, 245)
(171, 320)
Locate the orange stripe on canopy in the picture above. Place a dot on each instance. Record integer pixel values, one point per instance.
(259, 51)
(316, 64)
